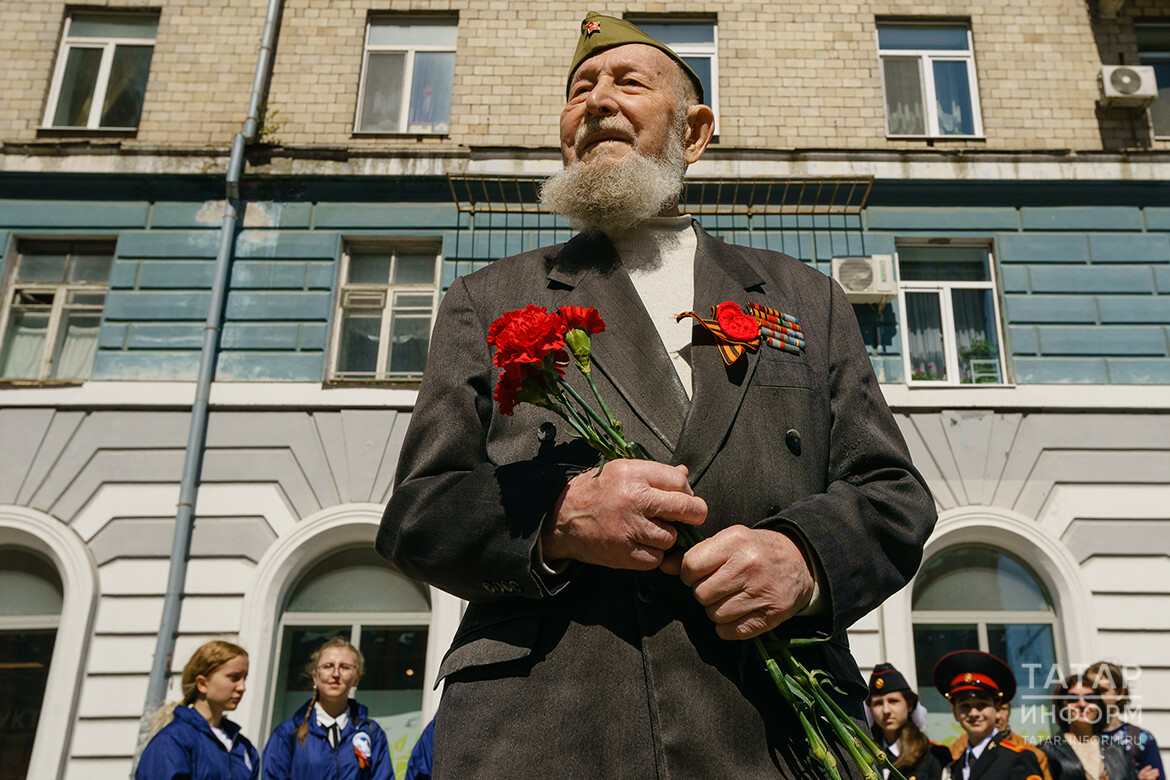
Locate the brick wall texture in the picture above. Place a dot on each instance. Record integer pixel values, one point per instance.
(790, 76)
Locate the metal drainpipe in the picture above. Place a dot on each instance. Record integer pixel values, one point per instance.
(197, 436)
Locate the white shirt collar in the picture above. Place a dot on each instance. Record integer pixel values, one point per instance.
(325, 720)
(977, 750)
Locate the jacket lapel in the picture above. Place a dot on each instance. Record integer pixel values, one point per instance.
(988, 757)
(629, 353)
(721, 274)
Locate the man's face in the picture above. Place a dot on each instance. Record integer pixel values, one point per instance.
(1003, 716)
(621, 100)
(976, 714)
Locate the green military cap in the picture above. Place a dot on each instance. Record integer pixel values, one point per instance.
(599, 33)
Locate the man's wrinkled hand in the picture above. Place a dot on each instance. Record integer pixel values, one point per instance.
(750, 580)
(621, 518)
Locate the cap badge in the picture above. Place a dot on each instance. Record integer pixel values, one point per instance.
(968, 677)
(879, 683)
(590, 27)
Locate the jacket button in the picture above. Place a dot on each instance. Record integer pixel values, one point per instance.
(792, 439)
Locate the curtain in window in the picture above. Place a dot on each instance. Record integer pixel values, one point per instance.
(978, 350)
(927, 358)
(78, 347)
(26, 344)
(953, 94)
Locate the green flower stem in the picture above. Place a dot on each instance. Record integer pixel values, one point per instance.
(615, 438)
(572, 415)
(614, 424)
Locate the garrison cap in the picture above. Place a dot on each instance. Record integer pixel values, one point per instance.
(599, 33)
(972, 671)
(886, 678)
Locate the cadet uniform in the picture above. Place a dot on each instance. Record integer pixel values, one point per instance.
(974, 674)
(886, 679)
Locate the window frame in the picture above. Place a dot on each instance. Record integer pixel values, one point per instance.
(60, 291)
(394, 248)
(102, 83)
(1154, 58)
(694, 50)
(925, 57)
(407, 74)
(947, 315)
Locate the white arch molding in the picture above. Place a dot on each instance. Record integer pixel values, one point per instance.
(45, 534)
(1028, 541)
(313, 538)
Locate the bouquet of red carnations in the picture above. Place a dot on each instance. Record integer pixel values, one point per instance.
(533, 347)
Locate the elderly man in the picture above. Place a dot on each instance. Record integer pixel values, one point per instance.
(582, 654)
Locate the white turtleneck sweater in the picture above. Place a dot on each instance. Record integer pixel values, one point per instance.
(660, 259)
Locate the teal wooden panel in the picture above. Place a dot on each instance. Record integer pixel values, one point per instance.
(165, 337)
(1023, 341)
(1139, 371)
(155, 305)
(314, 335)
(1050, 308)
(321, 275)
(123, 275)
(1130, 248)
(278, 214)
(1103, 341)
(1157, 218)
(157, 366)
(1162, 279)
(166, 244)
(387, 215)
(1034, 248)
(252, 274)
(270, 367)
(1131, 309)
(112, 335)
(1081, 218)
(205, 214)
(1014, 279)
(4, 235)
(299, 306)
(287, 244)
(1092, 279)
(268, 336)
(27, 214)
(176, 274)
(951, 218)
(842, 244)
(1062, 371)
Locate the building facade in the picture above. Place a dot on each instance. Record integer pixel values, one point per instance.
(988, 180)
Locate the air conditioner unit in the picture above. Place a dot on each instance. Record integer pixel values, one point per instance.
(866, 279)
(1129, 86)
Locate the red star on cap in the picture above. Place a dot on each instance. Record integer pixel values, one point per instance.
(591, 27)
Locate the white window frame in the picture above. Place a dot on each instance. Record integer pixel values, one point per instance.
(407, 76)
(60, 291)
(947, 317)
(387, 291)
(107, 46)
(925, 59)
(708, 51)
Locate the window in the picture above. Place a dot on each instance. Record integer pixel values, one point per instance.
(981, 598)
(1154, 49)
(385, 309)
(950, 315)
(28, 631)
(52, 310)
(695, 42)
(100, 80)
(928, 75)
(383, 614)
(407, 76)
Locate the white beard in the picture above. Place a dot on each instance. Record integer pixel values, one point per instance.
(616, 195)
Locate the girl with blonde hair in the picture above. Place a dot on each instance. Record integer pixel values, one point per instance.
(199, 743)
(331, 737)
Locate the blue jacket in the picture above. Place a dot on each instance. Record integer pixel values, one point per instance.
(187, 749)
(285, 758)
(419, 767)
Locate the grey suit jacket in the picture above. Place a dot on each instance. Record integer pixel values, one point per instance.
(614, 673)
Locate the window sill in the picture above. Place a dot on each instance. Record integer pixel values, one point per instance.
(400, 382)
(912, 386)
(12, 383)
(378, 135)
(935, 137)
(87, 132)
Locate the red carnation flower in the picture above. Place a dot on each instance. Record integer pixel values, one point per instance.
(735, 323)
(526, 335)
(507, 393)
(585, 318)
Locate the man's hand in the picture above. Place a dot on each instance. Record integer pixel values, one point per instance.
(618, 518)
(1148, 773)
(750, 580)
